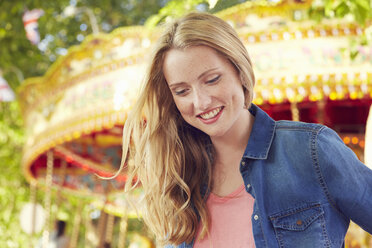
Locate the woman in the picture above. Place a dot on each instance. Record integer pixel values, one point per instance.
(219, 172)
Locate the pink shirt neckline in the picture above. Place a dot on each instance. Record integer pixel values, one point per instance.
(221, 199)
(231, 224)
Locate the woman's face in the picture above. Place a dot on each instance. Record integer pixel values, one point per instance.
(206, 89)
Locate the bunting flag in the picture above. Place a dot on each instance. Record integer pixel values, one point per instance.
(30, 18)
(6, 93)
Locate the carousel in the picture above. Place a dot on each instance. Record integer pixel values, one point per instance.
(75, 113)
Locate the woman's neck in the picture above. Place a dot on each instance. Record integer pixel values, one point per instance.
(229, 150)
(236, 139)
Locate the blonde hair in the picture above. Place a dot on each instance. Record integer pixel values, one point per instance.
(171, 159)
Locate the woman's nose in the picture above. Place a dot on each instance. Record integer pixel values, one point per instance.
(202, 100)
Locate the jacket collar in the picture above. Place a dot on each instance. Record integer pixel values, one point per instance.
(261, 136)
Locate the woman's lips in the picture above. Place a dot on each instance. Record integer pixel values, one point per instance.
(211, 116)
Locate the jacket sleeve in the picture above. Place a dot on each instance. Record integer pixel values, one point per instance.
(345, 179)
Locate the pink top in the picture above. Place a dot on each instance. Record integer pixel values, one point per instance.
(231, 224)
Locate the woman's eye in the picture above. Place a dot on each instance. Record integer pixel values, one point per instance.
(180, 92)
(215, 79)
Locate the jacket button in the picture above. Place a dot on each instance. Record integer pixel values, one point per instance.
(255, 217)
(299, 222)
(248, 186)
(243, 163)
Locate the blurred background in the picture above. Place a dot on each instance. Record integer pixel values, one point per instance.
(70, 71)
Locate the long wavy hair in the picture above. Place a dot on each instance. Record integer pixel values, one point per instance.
(171, 159)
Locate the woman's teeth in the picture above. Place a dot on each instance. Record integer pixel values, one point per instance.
(211, 114)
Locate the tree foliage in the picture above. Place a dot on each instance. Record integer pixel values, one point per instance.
(13, 187)
(58, 30)
(357, 10)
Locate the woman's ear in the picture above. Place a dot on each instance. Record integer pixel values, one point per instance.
(246, 96)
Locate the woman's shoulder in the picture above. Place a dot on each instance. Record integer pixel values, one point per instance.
(299, 126)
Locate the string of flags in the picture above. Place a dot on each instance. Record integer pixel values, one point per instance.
(30, 18)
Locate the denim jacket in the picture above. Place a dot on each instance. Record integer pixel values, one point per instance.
(306, 183)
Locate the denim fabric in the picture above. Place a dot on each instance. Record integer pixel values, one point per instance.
(306, 183)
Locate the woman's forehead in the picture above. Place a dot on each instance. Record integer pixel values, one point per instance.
(190, 63)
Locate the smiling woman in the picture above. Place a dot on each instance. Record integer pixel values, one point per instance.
(212, 164)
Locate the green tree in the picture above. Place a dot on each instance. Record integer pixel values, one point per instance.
(177, 8)
(13, 187)
(59, 31)
(359, 11)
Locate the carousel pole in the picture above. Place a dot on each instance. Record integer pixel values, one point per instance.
(321, 106)
(60, 184)
(48, 197)
(109, 228)
(123, 228)
(295, 112)
(101, 227)
(102, 223)
(33, 189)
(76, 227)
(90, 235)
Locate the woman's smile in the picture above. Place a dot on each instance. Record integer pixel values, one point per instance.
(212, 116)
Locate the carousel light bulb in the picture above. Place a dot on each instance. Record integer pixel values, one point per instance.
(362, 143)
(333, 96)
(290, 94)
(277, 80)
(97, 54)
(350, 76)
(351, 88)
(302, 91)
(265, 94)
(286, 36)
(314, 90)
(310, 33)
(264, 81)
(325, 77)
(363, 76)
(259, 100)
(275, 36)
(297, 15)
(146, 43)
(364, 88)
(298, 34)
(314, 78)
(353, 95)
(339, 89)
(289, 79)
(301, 78)
(338, 77)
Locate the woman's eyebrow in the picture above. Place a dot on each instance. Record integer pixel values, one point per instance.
(176, 84)
(207, 71)
(200, 76)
